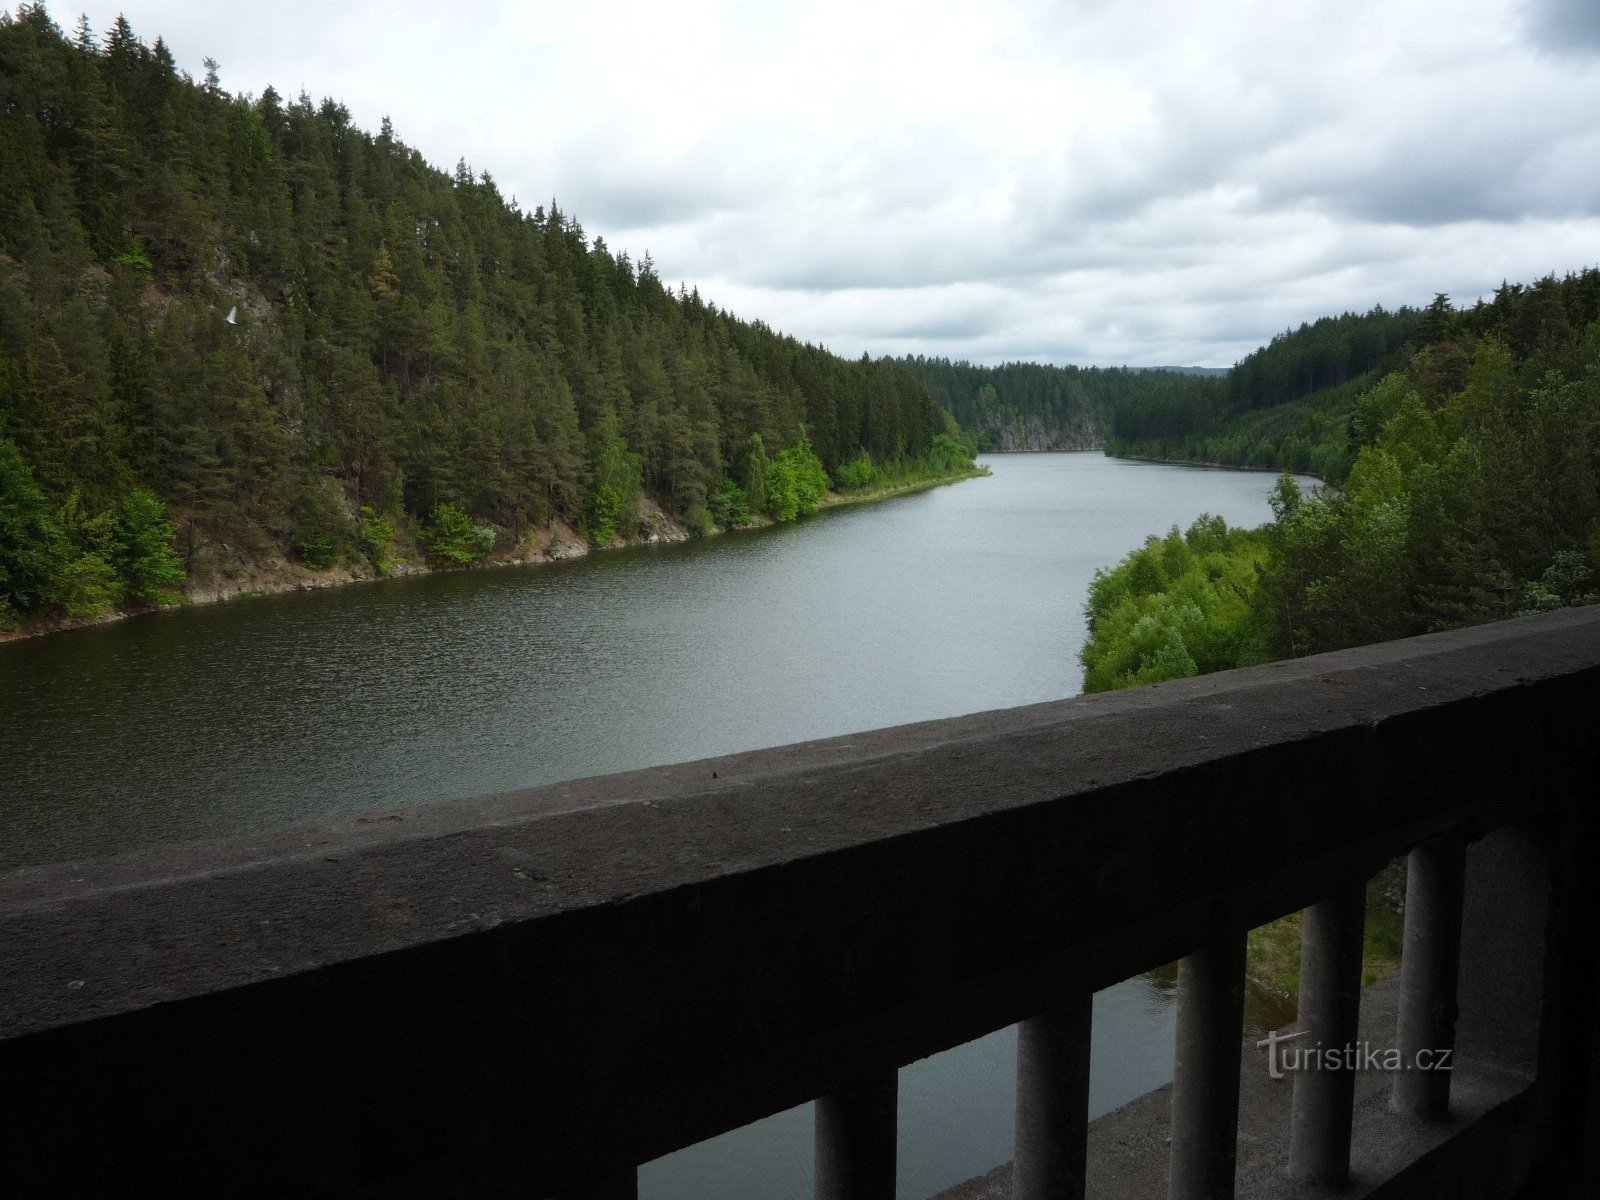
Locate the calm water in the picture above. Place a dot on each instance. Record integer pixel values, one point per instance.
(238, 716)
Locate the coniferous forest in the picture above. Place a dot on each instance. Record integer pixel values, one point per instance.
(1036, 406)
(238, 328)
(1293, 404)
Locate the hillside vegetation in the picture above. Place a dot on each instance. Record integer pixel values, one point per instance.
(1036, 406)
(236, 329)
(1473, 495)
(1471, 468)
(1294, 404)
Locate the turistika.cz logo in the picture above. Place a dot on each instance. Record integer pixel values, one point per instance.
(1283, 1058)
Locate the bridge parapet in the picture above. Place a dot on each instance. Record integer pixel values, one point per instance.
(531, 993)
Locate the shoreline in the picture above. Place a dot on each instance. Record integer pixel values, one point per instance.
(1195, 462)
(848, 499)
(552, 543)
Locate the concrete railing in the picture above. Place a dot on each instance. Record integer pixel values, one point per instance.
(530, 994)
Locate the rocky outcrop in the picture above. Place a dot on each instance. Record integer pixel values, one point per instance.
(1013, 433)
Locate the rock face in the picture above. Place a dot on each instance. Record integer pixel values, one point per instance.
(1013, 432)
(656, 526)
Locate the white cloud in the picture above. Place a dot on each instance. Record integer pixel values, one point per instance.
(1089, 182)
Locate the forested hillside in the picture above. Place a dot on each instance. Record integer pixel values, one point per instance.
(1035, 406)
(1294, 404)
(1474, 495)
(1284, 405)
(247, 322)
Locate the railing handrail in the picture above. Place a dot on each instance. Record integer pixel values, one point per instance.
(536, 986)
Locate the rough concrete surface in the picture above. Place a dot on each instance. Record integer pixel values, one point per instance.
(1128, 1148)
(522, 992)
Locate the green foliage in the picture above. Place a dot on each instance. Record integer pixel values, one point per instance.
(378, 537)
(451, 537)
(144, 555)
(1376, 407)
(783, 497)
(134, 258)
(1178, 606)
(1567, 582)
(80, 564)
(750, 466)
(729, 505)
(1320, 355)
(1469, 512)
(33, 548)
(699, 522)
(615, 480)
(316, 550)
(797, 483)
(405, 338)
(1473, 495)
(810, 477)
(88, 586)
(1316, 396)
(858, 472)
(947, 455)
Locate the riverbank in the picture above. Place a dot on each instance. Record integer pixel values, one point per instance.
(911, 487)
(1220, 466)
(215, 581)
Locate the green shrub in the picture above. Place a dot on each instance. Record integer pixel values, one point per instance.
(700, 522)
(857, 473)
(729, 506)
(89, 586)
(315, 550)
(135, 258)
(451, 537)
(378, 534)
(797, 482)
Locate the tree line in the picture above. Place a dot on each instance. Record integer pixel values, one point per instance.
(286, 336)
(1473, 495)
(1293, 404)
(1037, 406)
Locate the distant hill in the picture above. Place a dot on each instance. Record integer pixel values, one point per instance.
(1035, 406)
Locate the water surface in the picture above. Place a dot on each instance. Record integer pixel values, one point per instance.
(238, 716)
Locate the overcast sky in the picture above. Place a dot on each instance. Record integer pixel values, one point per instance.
(1150, 182)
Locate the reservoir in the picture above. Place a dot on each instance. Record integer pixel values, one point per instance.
(238, 716)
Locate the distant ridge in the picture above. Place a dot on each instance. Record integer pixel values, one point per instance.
(1036, 406)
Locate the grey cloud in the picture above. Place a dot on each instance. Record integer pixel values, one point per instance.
(939, 330)
(637, 205)
(1440, 168)
(1565, 26)
(1095, 183)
